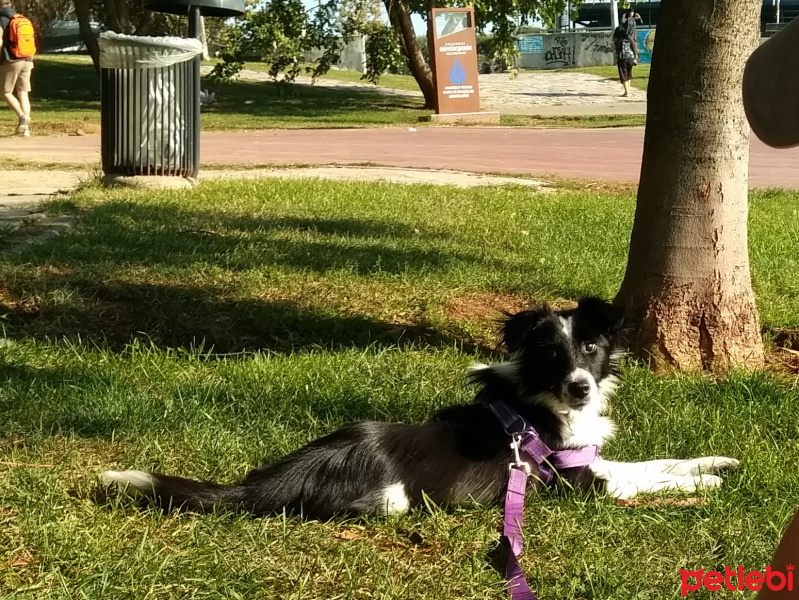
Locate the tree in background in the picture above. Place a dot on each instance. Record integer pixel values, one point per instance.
(280, 31)
(687, 285)
(44, 13)
(128, 17)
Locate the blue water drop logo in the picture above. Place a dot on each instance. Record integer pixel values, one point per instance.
(457, 74)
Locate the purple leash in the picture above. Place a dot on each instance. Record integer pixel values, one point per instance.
(526, 439)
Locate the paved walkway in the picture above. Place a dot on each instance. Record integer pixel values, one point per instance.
(606, 154)
(549, 94)
(21, 198)
(544, 93)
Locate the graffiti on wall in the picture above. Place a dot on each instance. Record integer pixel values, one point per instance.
(560, 52)
(595, 41)
(581, 48)
(646, 41)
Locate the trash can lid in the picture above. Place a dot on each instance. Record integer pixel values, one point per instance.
(208, 8)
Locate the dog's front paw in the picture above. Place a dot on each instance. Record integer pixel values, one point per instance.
(707, 481)
(716, 464)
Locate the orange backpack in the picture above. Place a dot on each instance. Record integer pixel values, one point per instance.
(21, 37)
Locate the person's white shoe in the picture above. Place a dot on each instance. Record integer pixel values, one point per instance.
(22, 126)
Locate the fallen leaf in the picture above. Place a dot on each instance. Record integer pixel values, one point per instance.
(347, 534)
(23, 558)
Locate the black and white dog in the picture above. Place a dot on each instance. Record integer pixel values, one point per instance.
(559, 378)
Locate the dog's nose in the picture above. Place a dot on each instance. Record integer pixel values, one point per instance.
(579, 389)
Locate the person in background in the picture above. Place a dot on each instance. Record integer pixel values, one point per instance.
(16, 63)
(625, 58)
(628, 21)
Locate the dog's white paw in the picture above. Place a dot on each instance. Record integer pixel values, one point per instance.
(722, 463)
(698, 466)
(707, 481)
(715, 464)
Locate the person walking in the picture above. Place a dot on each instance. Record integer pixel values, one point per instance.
(628, 21)
(625, 58)
(17, 47)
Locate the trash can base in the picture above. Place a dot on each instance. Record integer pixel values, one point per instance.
(152, 182)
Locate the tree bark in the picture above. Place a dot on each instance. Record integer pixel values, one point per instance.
(687, 286)
(114, 21)
(399, 15)
(124, 16)
(144, 23)
(86, 33)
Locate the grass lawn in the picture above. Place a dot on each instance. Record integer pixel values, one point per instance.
(640, 78)
(202, 332)
(395, 82)
(66, 100)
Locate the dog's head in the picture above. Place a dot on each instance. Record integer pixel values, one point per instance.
(564, 359)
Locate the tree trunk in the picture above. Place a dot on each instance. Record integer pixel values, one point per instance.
(145, 23)
(687, 287)
(400, 16)
(204, 39)
(124, 16)
(114, 21)
(86, 33)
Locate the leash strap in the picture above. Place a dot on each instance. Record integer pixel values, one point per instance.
(517, 584)
(526, 439)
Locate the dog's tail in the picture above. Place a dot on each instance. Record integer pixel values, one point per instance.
(174, 493)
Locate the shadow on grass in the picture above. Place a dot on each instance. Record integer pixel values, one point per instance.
(46, 400)
(303, 102)
(70, 286)
(63, 86)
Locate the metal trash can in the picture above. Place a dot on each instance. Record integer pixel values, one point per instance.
(150, 109)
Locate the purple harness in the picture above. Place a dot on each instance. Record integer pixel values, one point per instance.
(526, 439)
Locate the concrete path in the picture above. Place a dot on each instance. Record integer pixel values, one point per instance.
(561, 93)
(544, 93)
(606, 154)
(21, 198)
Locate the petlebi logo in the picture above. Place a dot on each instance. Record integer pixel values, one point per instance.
(736, 579)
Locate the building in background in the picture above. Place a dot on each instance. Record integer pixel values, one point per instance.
(775, 14)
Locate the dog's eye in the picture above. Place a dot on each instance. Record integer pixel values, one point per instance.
(589, 347)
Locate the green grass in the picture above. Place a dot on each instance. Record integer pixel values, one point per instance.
(201, 332)
(66, 100)
(395, 82)
(592, 121)
(640, 78)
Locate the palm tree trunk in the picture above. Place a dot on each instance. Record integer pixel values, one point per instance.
(687, 286)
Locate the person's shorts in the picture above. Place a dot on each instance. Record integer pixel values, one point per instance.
(625, 69)
(16, 76)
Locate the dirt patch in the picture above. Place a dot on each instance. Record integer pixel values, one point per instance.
(584, 185)
(783, 355)
(490, 307)
(484, 307)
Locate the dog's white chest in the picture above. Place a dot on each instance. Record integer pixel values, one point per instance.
(588, 429)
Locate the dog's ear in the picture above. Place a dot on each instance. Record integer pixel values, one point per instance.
(608, 317)
(516, 327)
